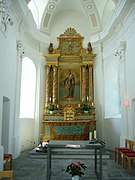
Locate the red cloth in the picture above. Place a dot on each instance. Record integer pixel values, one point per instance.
(130, 154)
(122, 148)
(126, 150)
(7, 155)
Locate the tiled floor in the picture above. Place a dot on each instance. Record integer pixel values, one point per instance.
(27, 168)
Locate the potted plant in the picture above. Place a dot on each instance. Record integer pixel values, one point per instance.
(51, 108)
(76, 170)
(85, 107)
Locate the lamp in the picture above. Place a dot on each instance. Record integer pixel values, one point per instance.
(126, 103)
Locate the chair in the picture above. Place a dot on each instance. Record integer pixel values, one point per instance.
(7, 158)
(120, 150)
(6, 174)
(129, 157)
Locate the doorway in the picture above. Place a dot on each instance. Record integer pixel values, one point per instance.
(5, 123)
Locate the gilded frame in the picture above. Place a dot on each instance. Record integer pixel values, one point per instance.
(71, 95)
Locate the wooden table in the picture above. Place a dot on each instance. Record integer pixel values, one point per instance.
(54, 147)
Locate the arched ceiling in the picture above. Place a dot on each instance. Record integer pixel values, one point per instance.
(96, 12)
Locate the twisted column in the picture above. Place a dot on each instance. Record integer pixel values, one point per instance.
(47, 85)
(54, 85)
(83, 83)
(91, 83)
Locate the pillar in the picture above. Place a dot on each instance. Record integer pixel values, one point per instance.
(91, 98)
(47, 85)
(83, 83)
(54, 100)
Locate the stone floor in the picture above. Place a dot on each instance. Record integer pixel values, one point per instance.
(27, 168)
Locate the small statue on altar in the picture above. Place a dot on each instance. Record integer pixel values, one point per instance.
(50, 49)
(89, 48)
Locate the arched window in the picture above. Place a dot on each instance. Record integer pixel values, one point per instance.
(112, 88)
(28, 89)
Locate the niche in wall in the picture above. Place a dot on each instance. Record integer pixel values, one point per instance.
(5, 123)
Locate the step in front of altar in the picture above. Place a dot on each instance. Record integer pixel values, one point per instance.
(70, 153)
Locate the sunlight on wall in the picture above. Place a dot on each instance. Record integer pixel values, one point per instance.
(34, 11)
(28, 83)
(112, 88)
(37, 9)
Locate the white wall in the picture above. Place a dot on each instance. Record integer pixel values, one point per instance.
(30, 129)
(21, 133)
(116, 127)
(112, 132)
(27, 129)
(24, 133)
(8, 64)
(66, 19)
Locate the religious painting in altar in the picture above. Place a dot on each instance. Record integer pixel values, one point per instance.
(69, 83)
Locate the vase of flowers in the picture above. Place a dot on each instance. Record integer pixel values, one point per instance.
(75, 177)
(85, 107)
(76, 170)
(52, 108)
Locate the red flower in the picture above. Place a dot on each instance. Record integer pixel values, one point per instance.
(73, 164)
(76, 169)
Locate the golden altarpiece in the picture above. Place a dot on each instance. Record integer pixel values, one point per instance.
(69, 84)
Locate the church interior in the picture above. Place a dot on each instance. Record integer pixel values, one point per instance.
(66, 73)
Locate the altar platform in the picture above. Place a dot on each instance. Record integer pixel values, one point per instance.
(37, 153)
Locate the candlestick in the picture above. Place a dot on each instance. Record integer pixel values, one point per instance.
(90, 135)
(95, 134)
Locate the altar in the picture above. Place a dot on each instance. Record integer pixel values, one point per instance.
(69, 90)
(58, 129)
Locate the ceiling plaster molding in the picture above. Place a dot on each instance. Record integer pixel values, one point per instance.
(89, 7)
(92, 13)
(47, 15)
(115, 21)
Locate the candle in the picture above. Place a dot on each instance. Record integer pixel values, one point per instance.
(92, 104)
(50, 99)
(90, 135)
(95, 134)
(87, 98)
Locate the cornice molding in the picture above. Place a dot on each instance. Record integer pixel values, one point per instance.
(6, 18)
(120, 14)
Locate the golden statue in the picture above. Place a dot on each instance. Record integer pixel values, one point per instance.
(50, 49)
(89, 48)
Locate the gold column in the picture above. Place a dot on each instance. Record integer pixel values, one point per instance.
(47, 85)
(83, 83)
(54, 100)
(91, 83)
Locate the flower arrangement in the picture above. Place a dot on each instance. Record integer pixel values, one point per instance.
(76, 169)
(52, 107)
(85, 106)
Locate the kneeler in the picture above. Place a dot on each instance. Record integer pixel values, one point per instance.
(120, 150)
(8, 157)
(129, 157)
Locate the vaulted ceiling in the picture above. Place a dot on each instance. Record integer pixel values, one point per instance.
(96, 13)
